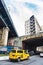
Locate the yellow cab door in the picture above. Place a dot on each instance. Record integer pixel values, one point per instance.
(24, 54)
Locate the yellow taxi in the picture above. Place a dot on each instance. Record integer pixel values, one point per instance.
(18, 55)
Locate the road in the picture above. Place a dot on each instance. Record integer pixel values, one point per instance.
(33, 60)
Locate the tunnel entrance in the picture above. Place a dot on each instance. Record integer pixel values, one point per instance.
(31, 44)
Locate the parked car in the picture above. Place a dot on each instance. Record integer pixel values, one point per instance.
(31, 53)
(41, 54)
(18, 55)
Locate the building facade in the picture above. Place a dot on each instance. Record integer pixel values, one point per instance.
(32, 26)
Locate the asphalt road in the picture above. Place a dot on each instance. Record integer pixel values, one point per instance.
(33, 60)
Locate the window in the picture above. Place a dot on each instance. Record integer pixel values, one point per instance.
(19, 51)
(27, 32)
(14, 51)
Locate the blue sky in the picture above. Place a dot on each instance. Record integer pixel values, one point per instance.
(30, 5)
(22, 10)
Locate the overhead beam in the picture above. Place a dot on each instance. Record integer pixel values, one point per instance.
(3, 21)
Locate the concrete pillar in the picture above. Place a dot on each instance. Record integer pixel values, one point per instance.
(5, 36)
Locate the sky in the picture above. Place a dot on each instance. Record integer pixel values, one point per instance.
(22, 10)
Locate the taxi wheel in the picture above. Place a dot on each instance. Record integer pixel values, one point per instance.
(18, 59)
(27, 58)
(10, 60)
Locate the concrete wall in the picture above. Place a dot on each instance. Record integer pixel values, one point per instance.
(17, 42)
(40, 48)
(11, 42)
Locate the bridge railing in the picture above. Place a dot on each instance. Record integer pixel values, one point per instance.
(31, 36)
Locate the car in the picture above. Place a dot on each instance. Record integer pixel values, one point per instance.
(41, 54)
(31, 53)
(18, 55)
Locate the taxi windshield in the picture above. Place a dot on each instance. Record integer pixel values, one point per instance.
(19, 51)
(14, 51)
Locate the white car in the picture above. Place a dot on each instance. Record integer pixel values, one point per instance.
(41, 54)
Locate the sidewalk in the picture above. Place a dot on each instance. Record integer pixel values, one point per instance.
(4, 58)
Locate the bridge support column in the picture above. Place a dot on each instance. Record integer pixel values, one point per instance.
(5, 36)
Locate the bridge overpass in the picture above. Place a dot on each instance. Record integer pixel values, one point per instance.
(6, 21)
(30, 42)
(7, 29)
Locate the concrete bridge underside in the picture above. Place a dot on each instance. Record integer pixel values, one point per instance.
(6, 21)
(31, 44)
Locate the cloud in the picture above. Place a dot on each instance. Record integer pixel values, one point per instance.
(22, 10)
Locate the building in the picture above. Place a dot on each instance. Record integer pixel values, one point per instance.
(32, 26)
